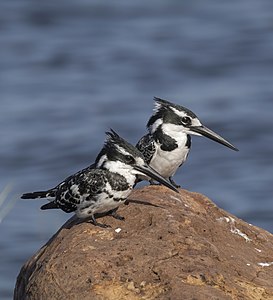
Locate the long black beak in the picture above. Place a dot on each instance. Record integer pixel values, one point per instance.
(213, 136)
(150, 172)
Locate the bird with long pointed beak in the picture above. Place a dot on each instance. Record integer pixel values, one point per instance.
(104, 186)
(167, 145)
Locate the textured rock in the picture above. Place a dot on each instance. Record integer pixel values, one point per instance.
(170, 246)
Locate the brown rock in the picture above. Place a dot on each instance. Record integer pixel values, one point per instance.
(170, 246)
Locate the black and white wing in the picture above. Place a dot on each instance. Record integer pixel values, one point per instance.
(146, 145)
(83, 186)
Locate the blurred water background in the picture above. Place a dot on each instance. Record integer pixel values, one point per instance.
(69, 70)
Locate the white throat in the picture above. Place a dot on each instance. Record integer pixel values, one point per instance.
(122, 169)
(167, 162)
(177, 132)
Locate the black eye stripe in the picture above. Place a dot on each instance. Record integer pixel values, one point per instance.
(186, 120)
(130, 159)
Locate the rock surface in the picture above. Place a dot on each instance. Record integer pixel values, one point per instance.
(170, 246)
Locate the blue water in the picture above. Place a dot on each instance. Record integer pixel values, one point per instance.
(69, 70)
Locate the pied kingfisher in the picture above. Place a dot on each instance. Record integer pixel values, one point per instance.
(103, 186)
(167, 145)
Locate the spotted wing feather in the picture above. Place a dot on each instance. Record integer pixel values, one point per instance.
(83, 186)
(146, 145)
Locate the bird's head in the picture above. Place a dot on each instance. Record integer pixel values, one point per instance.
(178, 118)
(119, 156)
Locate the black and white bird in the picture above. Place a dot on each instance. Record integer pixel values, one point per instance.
(103, 186)
(167, 145)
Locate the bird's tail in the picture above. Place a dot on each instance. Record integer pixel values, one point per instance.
(39, 194)
(50, 205)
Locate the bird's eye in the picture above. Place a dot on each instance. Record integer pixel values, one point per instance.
(130, 159)
(186, 120)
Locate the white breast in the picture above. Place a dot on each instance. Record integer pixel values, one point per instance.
(167, 162)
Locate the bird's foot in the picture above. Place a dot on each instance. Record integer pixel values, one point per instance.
(118, 217)
(94, 222)
(173, 183)
(102, 225)
(113, 213)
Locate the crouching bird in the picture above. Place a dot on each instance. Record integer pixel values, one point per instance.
(103, 186)
(167, 145)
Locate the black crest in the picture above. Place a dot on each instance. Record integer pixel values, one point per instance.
(112, 145)
(163, 110)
